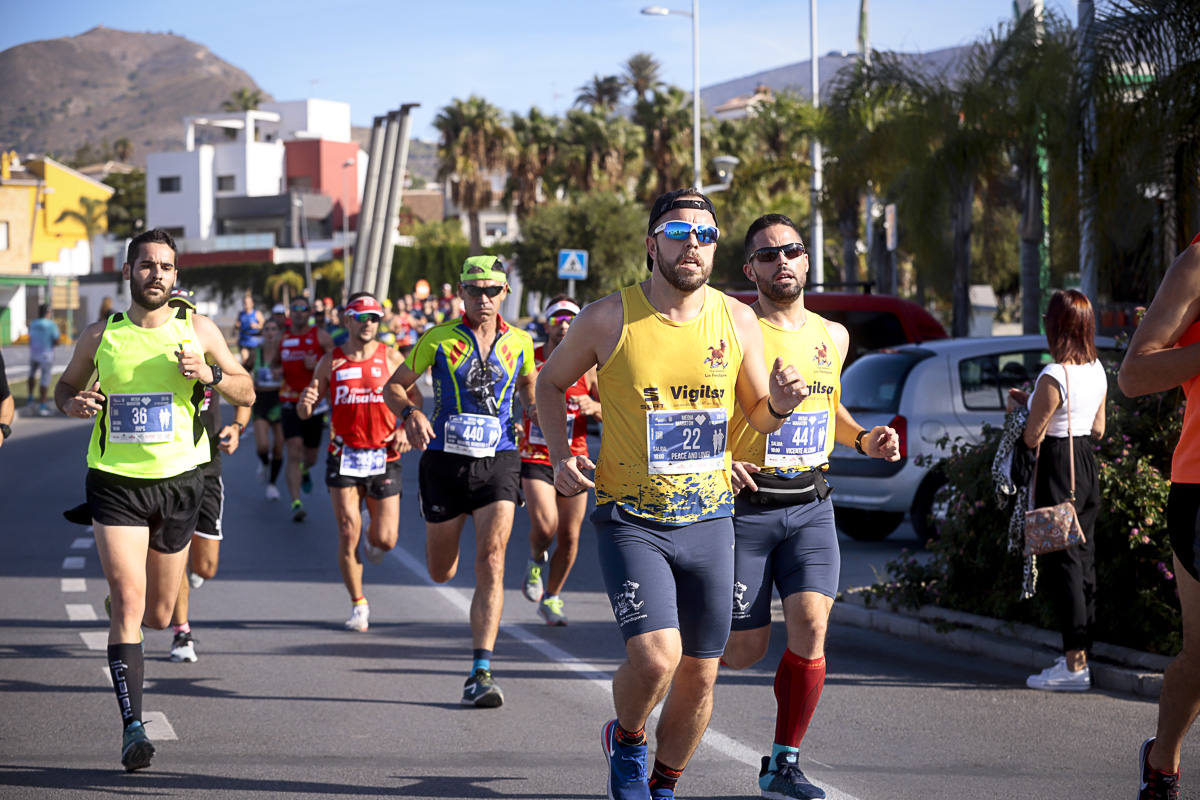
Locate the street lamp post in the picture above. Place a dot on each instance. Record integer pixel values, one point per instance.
(349, 162)
(659, 11)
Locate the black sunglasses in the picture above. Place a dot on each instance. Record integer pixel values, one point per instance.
(766, 255)
(480, 291)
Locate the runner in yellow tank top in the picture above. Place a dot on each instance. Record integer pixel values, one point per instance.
(783, 524)
(143, 485)
(673, 355)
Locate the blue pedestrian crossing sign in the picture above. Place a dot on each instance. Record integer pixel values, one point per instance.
(572, 265)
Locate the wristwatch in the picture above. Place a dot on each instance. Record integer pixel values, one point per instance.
(6, 430)
(217, 375)
(858, 442)
(406, 412)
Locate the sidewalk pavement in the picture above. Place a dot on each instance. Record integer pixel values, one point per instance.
(1118, 669)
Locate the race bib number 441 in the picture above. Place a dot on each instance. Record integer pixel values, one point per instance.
(141, 418)
(683, 442)
(474, 435)
(800, 442)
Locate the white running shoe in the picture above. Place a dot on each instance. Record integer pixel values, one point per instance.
(1058, 678)
(183, 649)
(261, 472)
(533, 586)
(272, 492)
(358, 618)
(196, 581)
(374, 554)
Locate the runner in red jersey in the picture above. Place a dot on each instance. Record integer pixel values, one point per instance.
(364, 444)
(553, 515)
(301, 349)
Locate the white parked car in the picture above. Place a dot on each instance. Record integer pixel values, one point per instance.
(947, 387)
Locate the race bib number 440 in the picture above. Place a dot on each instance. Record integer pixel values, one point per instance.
(141, 418)
(800, 442)
(683, 442)
(474, 435)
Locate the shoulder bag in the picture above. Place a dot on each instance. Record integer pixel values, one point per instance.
(1053, 528)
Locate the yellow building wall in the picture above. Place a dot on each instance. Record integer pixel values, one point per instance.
(16, 208)
(67, 187)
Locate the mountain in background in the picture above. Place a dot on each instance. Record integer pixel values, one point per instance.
(60, 94)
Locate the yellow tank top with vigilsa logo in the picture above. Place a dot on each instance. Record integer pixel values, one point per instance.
(807, 437)
(150, 426)
(668, 394)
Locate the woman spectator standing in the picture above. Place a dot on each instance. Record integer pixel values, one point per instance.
(1065, 409)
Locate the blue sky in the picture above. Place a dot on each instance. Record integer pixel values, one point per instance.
(376, 54)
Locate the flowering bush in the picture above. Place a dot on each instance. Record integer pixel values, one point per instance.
(972, 569)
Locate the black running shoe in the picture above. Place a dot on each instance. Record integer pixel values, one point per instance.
(136, 750)
(1155, 785)
(481, 691)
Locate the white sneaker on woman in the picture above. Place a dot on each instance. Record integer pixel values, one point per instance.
(1058, 678)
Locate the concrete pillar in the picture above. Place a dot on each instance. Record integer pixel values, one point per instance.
(384, 268)
(370, 259)
(366, 210)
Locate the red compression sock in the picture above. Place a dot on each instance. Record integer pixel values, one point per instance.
(798, 684)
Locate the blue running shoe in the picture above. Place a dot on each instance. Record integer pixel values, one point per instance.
(627, 778)
(481, 690)
(662, 793)
(305, 479)
(136, 750)
(786, 781)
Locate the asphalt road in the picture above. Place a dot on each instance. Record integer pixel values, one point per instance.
(284, 703)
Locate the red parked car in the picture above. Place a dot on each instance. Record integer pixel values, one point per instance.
(873, 320)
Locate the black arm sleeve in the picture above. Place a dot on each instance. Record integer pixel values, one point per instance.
(4, 392)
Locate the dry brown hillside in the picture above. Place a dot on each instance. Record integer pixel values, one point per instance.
(59, 94)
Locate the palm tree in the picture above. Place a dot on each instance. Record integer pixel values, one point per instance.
(602, 94)
(595, 152)
(282, 286)
(666, 122)
(642, 75)
(243, 99)
(122, 148)
(474, 147)
(536, 142)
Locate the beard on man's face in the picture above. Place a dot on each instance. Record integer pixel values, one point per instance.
(138, 293)
(785, 294)
(682, 282)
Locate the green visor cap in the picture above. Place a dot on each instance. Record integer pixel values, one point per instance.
(483, 268)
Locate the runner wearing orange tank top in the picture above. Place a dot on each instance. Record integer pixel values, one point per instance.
(1164, 353)
(553, 515)
(299, 352)
(364, 444)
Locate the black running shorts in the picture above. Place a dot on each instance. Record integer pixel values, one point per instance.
(307, 429)
(169, 507)
(387, 484)
(266, 405)
(453, 484)
(1183, 525)
(212, 503)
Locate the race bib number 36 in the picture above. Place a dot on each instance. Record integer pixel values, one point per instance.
(141, 418)
(800, 442)
(474, 435)
(683, 442)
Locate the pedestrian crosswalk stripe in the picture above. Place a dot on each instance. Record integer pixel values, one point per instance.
(157, 726)
(83, 543)
(73, 585)
(80, 612)
(95, 640)
(74, 562)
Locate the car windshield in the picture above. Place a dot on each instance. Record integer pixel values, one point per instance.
(874, 382)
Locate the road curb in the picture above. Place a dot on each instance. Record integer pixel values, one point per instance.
(1114, 668)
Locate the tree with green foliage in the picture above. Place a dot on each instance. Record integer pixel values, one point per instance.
(666, 122)
(596, 152)
(243, 99)
(606, 224)
(474, 147)
(127, 206)
(535, 147)
(600, 95)
(642, 75)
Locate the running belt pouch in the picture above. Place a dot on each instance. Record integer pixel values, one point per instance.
(1052, 528)
(774, 491)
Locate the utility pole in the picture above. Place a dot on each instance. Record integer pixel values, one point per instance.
(1088, 283)
(816, 247)
(864, 49)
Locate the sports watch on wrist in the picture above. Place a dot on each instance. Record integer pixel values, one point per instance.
(217, 375)
(858, 442)
(406, 412)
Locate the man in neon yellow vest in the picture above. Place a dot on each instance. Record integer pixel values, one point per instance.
(673, 355)
(151, 366)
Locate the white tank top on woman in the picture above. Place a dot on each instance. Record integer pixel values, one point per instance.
(1089, 385)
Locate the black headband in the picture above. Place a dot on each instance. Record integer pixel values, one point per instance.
(672, 200)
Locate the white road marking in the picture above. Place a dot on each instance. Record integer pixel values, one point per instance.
(83, 543)
(80, 612)
(74, 562)
(597, 677)
(74, 585)
(157, 726)
(95, 640)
